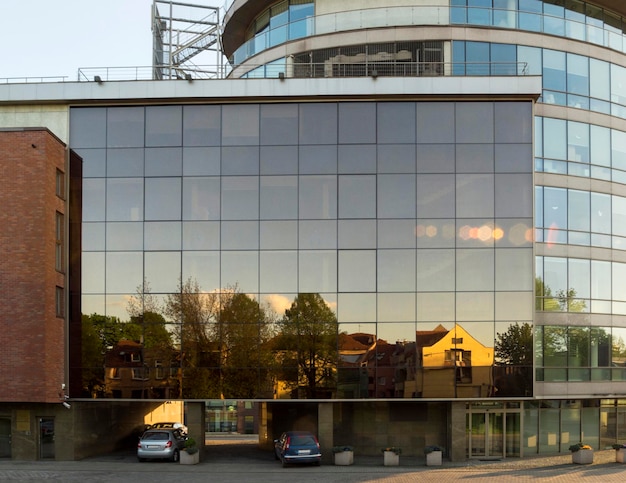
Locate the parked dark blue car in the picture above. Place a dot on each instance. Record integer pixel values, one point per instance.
(297, 447)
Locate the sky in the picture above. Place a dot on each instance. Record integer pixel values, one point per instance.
(54, 38)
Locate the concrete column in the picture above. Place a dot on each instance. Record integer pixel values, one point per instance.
(457, 431)
(325, 430)
(195, 419)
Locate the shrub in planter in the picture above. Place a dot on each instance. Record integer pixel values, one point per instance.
(620, 452)
(391, 456)
(582, 454)
(344, 455)
(190, 454)
(433, 455)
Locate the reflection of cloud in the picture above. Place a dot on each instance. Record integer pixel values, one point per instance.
(278, 303)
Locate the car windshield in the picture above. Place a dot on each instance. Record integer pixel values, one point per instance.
(156, 436)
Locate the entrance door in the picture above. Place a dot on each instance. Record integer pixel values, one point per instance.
(46, 438)
(5, 438)
(486, 435)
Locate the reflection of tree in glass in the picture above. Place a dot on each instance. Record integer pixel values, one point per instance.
(514, 351)
(308, 335)
(223, 339)
(562, 301)
(194, 313)
(243, 331)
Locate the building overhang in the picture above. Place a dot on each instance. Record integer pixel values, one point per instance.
(270, 90)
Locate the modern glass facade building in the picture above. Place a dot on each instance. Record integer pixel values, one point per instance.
(400, 225)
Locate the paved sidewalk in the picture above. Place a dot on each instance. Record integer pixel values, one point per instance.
(229, 466)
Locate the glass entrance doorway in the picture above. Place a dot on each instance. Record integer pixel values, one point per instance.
(493, 433)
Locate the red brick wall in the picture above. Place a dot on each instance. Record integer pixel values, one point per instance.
(32, 337)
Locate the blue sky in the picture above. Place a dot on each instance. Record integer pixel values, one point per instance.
(54, 38)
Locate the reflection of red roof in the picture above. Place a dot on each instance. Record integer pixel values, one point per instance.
(365, 339)
(347, 342)
(426, 338)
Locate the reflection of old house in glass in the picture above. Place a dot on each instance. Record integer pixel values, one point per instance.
(450, 363)
(131, 371)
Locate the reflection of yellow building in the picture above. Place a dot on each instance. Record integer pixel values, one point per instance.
(450, 363)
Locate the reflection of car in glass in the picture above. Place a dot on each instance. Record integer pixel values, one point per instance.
(160, 444)
(297, 447)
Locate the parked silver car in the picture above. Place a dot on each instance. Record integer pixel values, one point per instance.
(161, 444)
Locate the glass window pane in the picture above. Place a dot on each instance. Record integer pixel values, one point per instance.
(436, 195)
(600, 209)
(88, 127)
(357, 122)
(278, 271)
(125, 127)
(124, 272)
(475, 269)
(514, 269)
(397, 307)
(318, 197)
(475, 195)
(94, 208)
(599, 79)
(161, 235)
(514, 158)
(357, 196)
(474, 306)
(357, 270)
(317, 234)
(578, 74)
(474, 158)
(240, 124)
(164, 162)
(93, 276)
(201, 198)
(279, 160)
(124, 163)
(436, 306)
(317, 159)
(470, 131)
(279, 124)
(435, 122)
(554, 134)
(554, 73)
(356, 307)
(240, 235)
(240, 160)
(396, 271)
(396, 234)
(164, 125)
(435, 158)
(124, 199)
(514, 195)
(317, 271)
(163, 198)
(203, 267)
(435, 270)
(396, 158)
(578, 210)
(201, 161)
(356, 158)
(279, 197)
(396, 122)
(202, 125)
(396, 196)
(278, 235)
(240, 197)
(201, 235)
(318, 124)
(240, 268)
(356, 234)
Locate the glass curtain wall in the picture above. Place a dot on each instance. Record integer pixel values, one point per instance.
(307, 250)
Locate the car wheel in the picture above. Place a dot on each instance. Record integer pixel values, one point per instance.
(175, 456)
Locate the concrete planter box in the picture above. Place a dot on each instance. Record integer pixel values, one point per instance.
(189, 459)
(619, 455)
(390, 458)
(582, 457)
(344, 458)
(433, 458)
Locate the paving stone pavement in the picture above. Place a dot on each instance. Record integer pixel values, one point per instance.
(241, 463)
